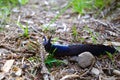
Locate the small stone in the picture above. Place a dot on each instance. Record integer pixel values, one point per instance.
(17, 71)
(68, 71)
(65, 62)
(74, 59)
(95, 71)
(16, 10)
(85, 59)
(3, 51)
(25, 66)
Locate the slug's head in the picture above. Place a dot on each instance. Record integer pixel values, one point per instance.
(47, 43)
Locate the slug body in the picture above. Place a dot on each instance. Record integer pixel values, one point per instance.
(74, 50)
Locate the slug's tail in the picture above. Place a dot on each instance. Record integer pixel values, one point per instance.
(101, 49)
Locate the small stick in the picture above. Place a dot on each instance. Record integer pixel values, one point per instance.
(44, 71)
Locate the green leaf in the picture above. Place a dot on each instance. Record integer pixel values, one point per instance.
(14, 2)
(80, 5)
(50, 60)
(110, 55)
(23, 2)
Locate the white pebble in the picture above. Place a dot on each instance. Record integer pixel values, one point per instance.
(95, 71)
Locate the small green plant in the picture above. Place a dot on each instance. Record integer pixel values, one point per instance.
(23, 2)
(55, 39)
(82, 40)
(110, 56)
(1, 29)
(33, 59)
(45, 28)
(48, 28)
(101, 3)
(80, 5)
(50, 60)
(12, 3)
(92, 35)
(24, 28)
(74, 31)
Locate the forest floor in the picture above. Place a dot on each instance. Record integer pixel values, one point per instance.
(21, 59)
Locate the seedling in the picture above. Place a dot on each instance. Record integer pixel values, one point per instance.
(80, 5)
(92, 35)
(33, 59)
(24, 28)
(55, 39)
(23, 2)
(74, 31)
(50, 60)
(1, 29)
(110, 55)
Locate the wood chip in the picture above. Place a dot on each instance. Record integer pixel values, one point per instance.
(116, 72)
(116, 43)
(7, 66)
(112, 43)
(2, 75)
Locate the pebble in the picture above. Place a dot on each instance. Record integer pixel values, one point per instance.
(3, 52)
(74, 59)
(85, 59)
(65, 62)
(95, 71)
(19, 72)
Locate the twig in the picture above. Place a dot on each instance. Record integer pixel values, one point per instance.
(31, 53)
(44, 71)
(70, 76)
(8, 48)
(98, 21)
